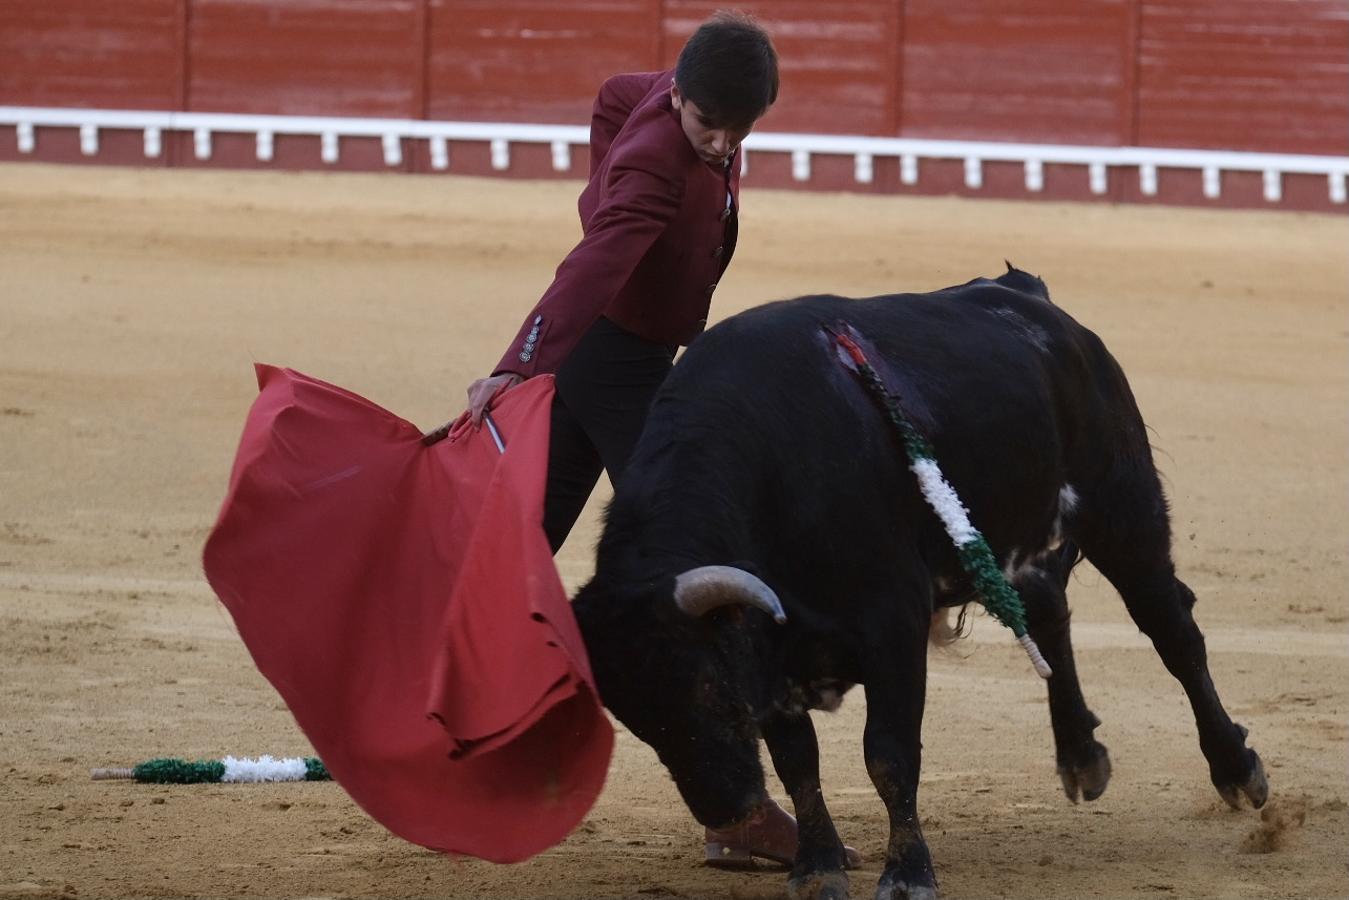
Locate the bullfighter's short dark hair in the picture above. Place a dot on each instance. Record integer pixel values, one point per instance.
(729, 69)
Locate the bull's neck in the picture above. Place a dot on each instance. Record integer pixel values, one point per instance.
(679, 520)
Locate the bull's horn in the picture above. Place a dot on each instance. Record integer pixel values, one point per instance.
(700, 590)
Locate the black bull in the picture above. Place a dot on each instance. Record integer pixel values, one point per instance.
(764, 455)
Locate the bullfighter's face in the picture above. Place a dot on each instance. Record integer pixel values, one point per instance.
(713, 141)
(659, 674)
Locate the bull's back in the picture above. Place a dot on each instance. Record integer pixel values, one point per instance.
(1010, 390)
(967, 362)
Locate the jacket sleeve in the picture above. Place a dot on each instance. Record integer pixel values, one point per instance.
(640, 201)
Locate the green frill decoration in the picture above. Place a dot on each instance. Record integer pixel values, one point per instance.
(213, 771)
(179, 771)
(976, 558)
(999, 597)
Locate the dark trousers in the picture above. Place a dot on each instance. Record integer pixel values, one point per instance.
(604, 391)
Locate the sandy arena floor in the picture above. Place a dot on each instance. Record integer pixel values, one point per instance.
(133, 304)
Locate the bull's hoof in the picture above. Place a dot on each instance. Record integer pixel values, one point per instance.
(892, 888)
(1087, 777)
(818, 886)
(1255, 787)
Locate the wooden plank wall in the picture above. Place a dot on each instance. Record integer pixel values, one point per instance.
(1246, 74)
(1262, 75)
(87, 53)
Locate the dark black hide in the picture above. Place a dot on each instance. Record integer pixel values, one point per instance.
(764, 452)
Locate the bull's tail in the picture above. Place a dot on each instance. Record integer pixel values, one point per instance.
(1069, 555)
(942, 632)
(948, 623)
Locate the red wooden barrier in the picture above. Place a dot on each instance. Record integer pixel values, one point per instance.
(1244, 74)
(304, 57)
(1256, 75)
(90, 53)
(1046, 71)
(533, 60)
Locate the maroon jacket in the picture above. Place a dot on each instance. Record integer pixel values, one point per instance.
(659, 229)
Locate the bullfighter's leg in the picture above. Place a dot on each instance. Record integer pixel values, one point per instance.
(604, 390)
(817, 872)
(1124, 529)
(1083, 762)
(896, 673)
(574, 468)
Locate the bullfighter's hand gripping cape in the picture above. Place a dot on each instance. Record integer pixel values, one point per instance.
(403, 600)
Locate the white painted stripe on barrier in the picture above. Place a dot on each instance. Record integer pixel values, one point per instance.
(266, 146)
(864, 168)
(974, 173)
(393, 149)
(89, 139)
(201, 143)
(501, 134)
(1050, 153)
(329, 148)
(1035, 175)
(1099, 180)
(1147, 179)
(440, 154)
(1213, 183)
(154, 143)
(801, 165)
(908, 168)
(561, 156)
(1273, 185)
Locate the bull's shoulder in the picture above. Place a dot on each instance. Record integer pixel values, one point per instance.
(1024, 282)
(1015, 301)
(1013, 279)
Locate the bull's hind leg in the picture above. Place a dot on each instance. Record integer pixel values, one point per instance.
(1123, 527)
(1083, 762)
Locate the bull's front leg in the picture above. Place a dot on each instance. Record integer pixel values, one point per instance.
(892, 742)
(817, 873)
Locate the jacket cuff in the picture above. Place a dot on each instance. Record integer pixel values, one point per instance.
(523, 358)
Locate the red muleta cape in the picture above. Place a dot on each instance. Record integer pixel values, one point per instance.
(403, 600)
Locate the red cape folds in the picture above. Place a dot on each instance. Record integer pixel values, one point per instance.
(404, 601)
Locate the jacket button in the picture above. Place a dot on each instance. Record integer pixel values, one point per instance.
(526, 356)
(725, 214)
(710, 288)
(716, 254)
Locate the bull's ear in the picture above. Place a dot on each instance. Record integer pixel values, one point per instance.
(1010, 267)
